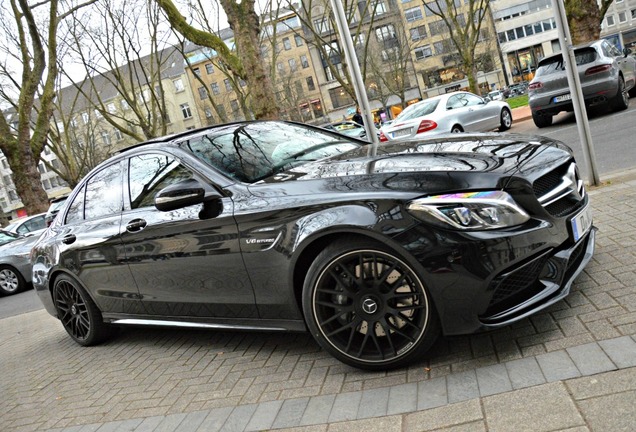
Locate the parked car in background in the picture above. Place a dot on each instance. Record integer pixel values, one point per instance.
(496, 95)
(349, 128)
(518, 89)
(54, 207)
(453, 112)
(283, 226)
(608, 76)
(27, 225)
(15, 265)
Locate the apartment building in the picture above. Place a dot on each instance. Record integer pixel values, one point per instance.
(619, 24)
(435, 58)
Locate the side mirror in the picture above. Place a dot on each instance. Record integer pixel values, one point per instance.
(185, 193)
(627, 51)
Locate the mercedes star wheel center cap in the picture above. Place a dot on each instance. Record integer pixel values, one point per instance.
(369, 306)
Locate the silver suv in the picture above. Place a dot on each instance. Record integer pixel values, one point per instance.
(606, 73)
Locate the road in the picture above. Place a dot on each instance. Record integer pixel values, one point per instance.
(613, 137)
(17, 304)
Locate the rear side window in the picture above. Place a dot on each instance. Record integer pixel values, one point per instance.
(104, 192)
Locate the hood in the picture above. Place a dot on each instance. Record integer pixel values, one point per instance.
(500, 154)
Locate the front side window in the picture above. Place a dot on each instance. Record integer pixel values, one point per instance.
(148, 174)
(103, 192)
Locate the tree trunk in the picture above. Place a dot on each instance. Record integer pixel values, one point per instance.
(584, 20)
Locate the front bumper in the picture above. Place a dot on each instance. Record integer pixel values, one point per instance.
(537, 284)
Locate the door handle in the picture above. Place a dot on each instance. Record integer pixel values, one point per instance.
(136, 225)
(69, 239)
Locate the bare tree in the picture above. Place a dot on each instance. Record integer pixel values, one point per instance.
(464, 22)
(246, 61)
(124, 56)
(31, 40)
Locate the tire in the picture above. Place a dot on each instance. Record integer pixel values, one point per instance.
(340, 307)
(542, 120)
(457, 129)
(505, 120)
(80, 317)
(11, 281)
(621, 101)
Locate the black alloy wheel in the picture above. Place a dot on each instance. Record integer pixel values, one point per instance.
(77, 311)
(11, 281)
(368, 307)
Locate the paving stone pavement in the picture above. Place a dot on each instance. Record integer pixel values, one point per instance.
(571, 367)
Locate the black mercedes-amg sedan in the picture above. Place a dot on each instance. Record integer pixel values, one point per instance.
(273, 226)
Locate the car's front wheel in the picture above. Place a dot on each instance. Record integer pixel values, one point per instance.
(11, 281)
(621, 101)
(80, 317)
(505, 120)
(541, 120)
(367, 307)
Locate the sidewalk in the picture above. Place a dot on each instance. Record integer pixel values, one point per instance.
(571, 367)
(521, 113)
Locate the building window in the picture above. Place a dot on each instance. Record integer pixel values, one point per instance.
(299, 88)
(304, 62)
(322, 25)
(46, 184)
(633, 12)
(105, 138)
(310, 83)
(196, 71)
(418, 33)
(380, 8)
(413, 14)
(339, 97)
(208, 113)
(228, 85)
(298, 40)
(5, 164)
(118, 135)
(124, 105)
(384, 33)
(280, 68)
(437, 27)
(622, 17)
(292, 64)
(209, 68)
(41, 168)
(286, 44)
(111, 108)
(185, 110)
(85, 118)
(215, 88)
(203, 93)
(178, 85)
(235, 108)
(221, 110)
(423, 52)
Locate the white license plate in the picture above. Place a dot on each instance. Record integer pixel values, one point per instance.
(581, 223)
(562, 98)
(401, 132)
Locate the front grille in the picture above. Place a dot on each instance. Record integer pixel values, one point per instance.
(561, 192)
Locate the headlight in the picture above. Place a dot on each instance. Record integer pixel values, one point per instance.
(469, 210)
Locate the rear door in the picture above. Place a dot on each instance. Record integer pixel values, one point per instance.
(90, 246)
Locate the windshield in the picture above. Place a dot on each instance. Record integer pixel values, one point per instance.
(6, 237)
(418, 110)
(249, 152)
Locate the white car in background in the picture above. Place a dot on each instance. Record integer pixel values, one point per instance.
(453, 112)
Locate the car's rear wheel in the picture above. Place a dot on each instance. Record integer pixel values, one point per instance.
(80, 317)
(457, 129)
(367, 307)
(505, 120)
(11, 281)
(542, 120)
(621, 101)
